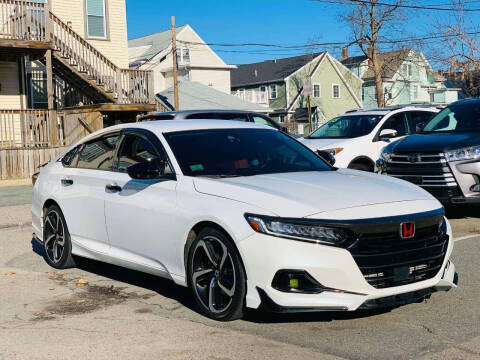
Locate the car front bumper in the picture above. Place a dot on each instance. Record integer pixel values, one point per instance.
(334, 268)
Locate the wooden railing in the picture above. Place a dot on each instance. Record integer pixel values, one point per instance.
(22, 20)
(253, 96)
(30, 129)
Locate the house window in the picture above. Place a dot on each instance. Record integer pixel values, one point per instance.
(183, 56)
(38, 91)
(335, 91)
(96, 20)
(432, 97)
(316, 90)
(263, 88)
(415, 92)
(273, 91)
(407, 70)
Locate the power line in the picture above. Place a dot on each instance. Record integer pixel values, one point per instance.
(416, 7)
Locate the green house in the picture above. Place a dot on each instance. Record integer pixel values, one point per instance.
(407, 78)
(278, 84)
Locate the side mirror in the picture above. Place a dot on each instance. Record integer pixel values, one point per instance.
(387, 134)
(327, 156)
(146, 170)
(420, 126)
(284, 129)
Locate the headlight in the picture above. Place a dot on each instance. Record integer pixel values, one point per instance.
(386, 154)
(299, 229)
(470, 153)
(334, 151)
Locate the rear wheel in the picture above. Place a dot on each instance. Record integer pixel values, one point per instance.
(56, 240)
(216, 276)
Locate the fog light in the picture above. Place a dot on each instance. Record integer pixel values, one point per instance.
(294, 283)
(297, 281)
(475, 188)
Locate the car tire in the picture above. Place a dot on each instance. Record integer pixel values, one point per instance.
(216, 275)
(57, 244)
(359, 166)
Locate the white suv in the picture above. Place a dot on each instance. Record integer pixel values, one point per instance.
(357, 138)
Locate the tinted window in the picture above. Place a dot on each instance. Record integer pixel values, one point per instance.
(396, 122)
(136, 149)
(241, 152)
(264, 121)
(417, 118)
(219, 116)
(98, 154)
(456, 118)
(349, 126)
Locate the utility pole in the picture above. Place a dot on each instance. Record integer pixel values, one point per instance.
(175, 75)
(310, 113)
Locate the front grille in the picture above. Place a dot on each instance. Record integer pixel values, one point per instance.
(430, 171)
(386, 260)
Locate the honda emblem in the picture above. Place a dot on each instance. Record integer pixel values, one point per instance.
(407, 230)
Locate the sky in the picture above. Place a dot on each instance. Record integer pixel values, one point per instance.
(286, 22)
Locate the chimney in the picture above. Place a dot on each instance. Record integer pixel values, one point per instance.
(344, 53)
(370, 54)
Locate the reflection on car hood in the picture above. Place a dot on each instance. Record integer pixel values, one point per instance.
(437, 142)
(326, 143)
(306, 193)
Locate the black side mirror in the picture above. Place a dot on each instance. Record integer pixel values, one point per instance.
(327, 156)
(284, 129)
(420, 126)
(146, 170)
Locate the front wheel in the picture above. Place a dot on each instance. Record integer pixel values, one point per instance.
(360, 166)
(216, 276)
(56, 240)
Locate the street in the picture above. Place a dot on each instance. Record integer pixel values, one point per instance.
(99, 311)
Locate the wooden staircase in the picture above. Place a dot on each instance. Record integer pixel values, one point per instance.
(28, 24)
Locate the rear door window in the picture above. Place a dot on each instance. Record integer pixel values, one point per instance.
(98, 154)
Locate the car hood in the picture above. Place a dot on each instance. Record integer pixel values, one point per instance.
(322, 144)
(307, 193)
(436, 142)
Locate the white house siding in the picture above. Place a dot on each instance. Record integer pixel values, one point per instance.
(217, 79)
(10, 97)
(115, 47)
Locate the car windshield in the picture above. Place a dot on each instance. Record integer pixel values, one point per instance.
(462, 117)
(241, 152)
(348, 126)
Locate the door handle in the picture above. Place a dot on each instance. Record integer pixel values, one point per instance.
(67, 182)
(113, 187)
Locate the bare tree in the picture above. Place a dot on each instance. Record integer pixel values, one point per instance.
(370, 23)
(459, 50)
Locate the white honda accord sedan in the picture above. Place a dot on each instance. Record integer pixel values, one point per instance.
(244, 215)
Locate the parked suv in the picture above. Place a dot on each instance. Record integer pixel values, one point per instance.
(444, 158)
(357, 138)
(235, 115)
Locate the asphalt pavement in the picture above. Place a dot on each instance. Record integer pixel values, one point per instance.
(99, 311)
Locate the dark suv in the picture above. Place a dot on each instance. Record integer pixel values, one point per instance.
(444, 158)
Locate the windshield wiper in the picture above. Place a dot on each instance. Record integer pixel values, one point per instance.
(221, 176)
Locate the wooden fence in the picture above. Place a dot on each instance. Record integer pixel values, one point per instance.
(30, 129)
(23, 163)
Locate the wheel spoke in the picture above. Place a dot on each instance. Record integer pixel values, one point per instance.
(200, 273)
(49, 239)
(224, 256)
(209, 252)
(49, 222)
(211, 295)
(58, 222)
(229, 292)
(55, 251)
(61, 241)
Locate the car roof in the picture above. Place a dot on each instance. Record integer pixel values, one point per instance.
(159, 127)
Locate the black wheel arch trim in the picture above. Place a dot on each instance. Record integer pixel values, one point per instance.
(362, 158)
